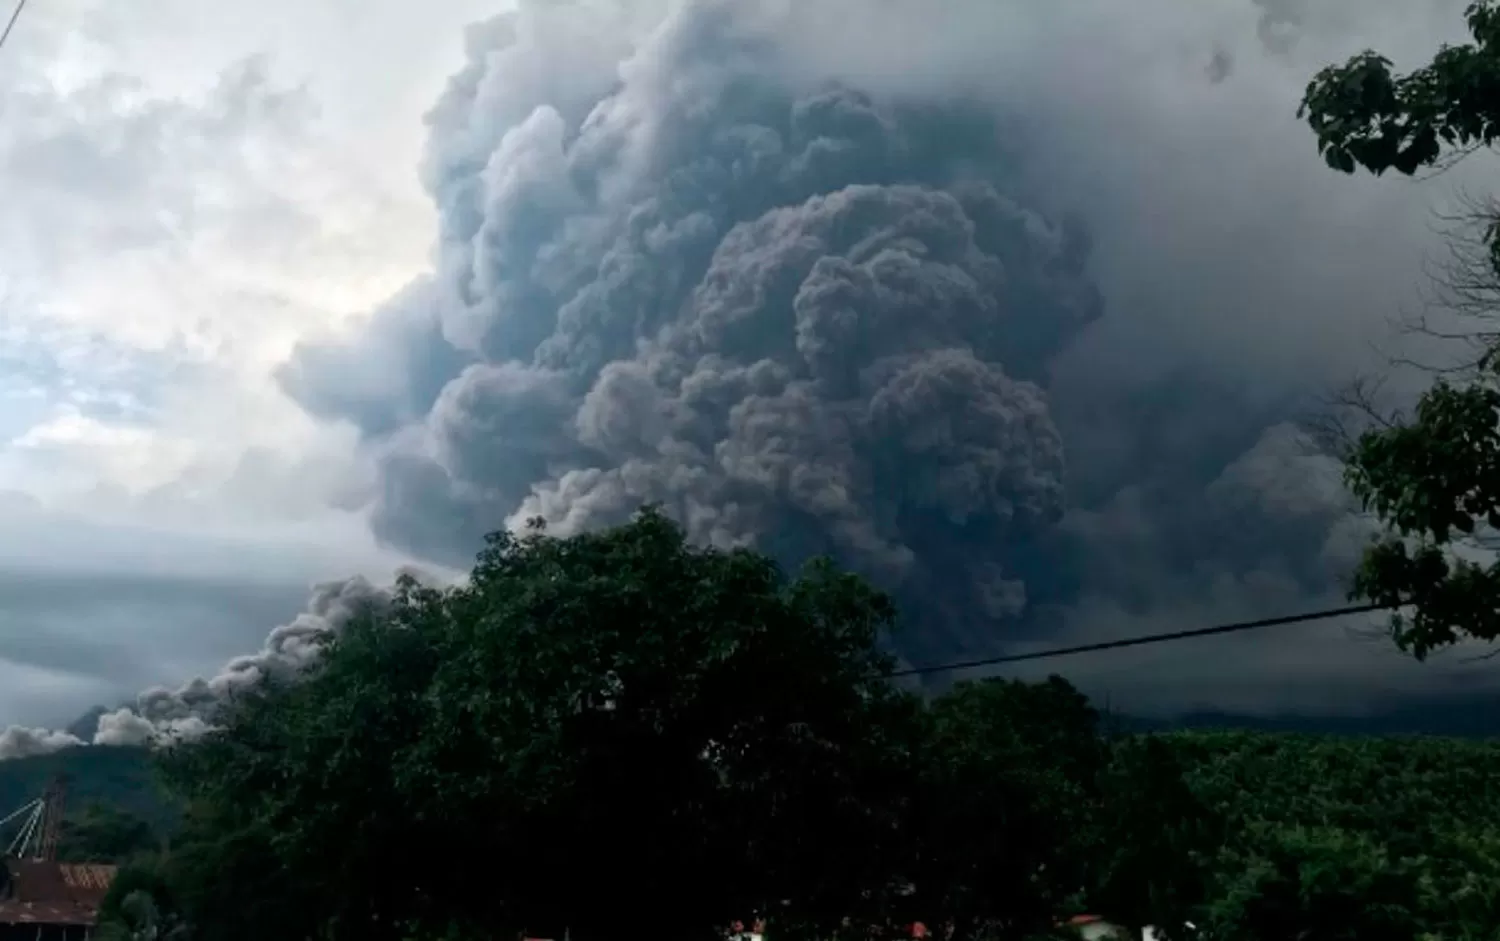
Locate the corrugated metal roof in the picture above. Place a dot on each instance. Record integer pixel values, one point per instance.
(89, 877)
(54, 893)
(47, 913)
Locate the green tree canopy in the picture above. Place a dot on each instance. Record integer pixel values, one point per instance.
(140, 905)
(1317, 885)
(1154, 840)
(104, 833)
(1003, 818)
(1366, 116)
(1432, 479)
(603, 730)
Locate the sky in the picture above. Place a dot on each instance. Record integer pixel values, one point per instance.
(186, 195)
(229, 239)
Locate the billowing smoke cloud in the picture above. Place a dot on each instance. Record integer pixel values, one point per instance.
(814, 310)
(19, 742)
(188, 711)
(797, 314)
(1276, 514)
(992, 310)
(163, 715)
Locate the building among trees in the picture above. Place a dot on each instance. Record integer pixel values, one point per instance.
(49, 901)
(42, 899)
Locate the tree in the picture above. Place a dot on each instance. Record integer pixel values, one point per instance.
(1432, 480)
(1364, 116)
(1154, 840)
(606, 730)
(103, 833)
(139, 905)
(1318, 885)
(1313, 823)
(223, 875)
(1002, 819)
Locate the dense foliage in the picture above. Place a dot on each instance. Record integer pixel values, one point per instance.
(622, 729)
(1001, 821)
(1384, 837)
(101, 832)
(618, 697)
(1335, 837)
(625, 729)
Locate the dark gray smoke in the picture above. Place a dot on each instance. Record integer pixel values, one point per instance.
(799, 315)
(164, 715)
(161, 716)
(1012, 308)
(809, 284)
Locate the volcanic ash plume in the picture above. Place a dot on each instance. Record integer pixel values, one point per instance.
(20, 742)
(797, 314)
(160, 716)
(791, 279)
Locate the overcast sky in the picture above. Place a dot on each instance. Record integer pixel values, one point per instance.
(190, 189)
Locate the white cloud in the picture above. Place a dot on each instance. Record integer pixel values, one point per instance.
(190, 188)
(187, 195)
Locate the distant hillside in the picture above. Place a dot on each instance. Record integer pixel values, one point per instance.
(1467, 717)
(118, 777)
(123, 778)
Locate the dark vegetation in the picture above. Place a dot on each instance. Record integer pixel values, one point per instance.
(1459, 716)
(696, 738)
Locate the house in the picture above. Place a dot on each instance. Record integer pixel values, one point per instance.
(1094, 928)
(50, 901)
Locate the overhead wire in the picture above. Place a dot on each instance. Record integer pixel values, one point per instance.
(11, 23)
(1140, 640)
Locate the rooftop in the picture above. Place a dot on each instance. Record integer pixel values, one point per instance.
(47, 893)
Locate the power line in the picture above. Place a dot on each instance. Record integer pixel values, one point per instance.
(1142, 640)
(15, 15)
